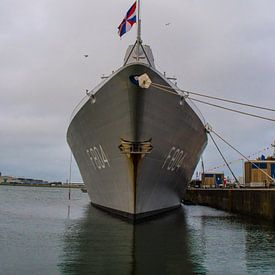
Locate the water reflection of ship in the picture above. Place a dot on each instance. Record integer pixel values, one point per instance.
(102, 244)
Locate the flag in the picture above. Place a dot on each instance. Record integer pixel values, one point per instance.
(128, 21)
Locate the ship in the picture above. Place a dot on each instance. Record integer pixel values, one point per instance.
(136, 146)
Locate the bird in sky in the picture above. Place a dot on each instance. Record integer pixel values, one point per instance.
(167, 24)
(86, 55)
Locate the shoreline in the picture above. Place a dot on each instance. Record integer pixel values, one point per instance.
(43, 185)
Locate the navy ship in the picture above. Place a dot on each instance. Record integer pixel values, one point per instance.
(136, 147)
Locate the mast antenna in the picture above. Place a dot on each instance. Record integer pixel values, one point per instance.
(139, 24)
(139, 41)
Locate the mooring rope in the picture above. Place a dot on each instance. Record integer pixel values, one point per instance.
(185, 94)
(216, 98)
(233, 110)
(227, 164)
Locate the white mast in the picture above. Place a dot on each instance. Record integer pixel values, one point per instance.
(139, 41)
(139, 23)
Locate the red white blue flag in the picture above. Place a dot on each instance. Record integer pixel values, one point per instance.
(128, 21)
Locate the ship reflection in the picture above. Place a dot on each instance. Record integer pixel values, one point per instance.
(102, 244)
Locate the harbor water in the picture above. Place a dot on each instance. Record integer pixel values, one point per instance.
(42, 232)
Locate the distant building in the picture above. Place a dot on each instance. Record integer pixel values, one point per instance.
(30, 181)
(13, 180)
(212, 180)
(5, 179)
(254, 177)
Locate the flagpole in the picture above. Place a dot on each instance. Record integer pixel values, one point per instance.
(139, 24)
(138, 30)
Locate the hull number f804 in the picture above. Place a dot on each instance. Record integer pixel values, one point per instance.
(98, 157)
(174, 159)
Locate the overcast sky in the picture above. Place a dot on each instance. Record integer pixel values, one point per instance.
(219, 47)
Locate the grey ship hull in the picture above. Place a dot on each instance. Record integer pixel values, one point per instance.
(136, 148)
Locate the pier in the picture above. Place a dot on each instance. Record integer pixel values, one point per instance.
(259, 203)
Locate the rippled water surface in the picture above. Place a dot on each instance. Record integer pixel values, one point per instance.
(42, 232)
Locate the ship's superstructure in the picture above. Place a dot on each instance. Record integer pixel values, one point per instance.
(136, 148)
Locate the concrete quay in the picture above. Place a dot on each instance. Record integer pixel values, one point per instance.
(259, 203)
